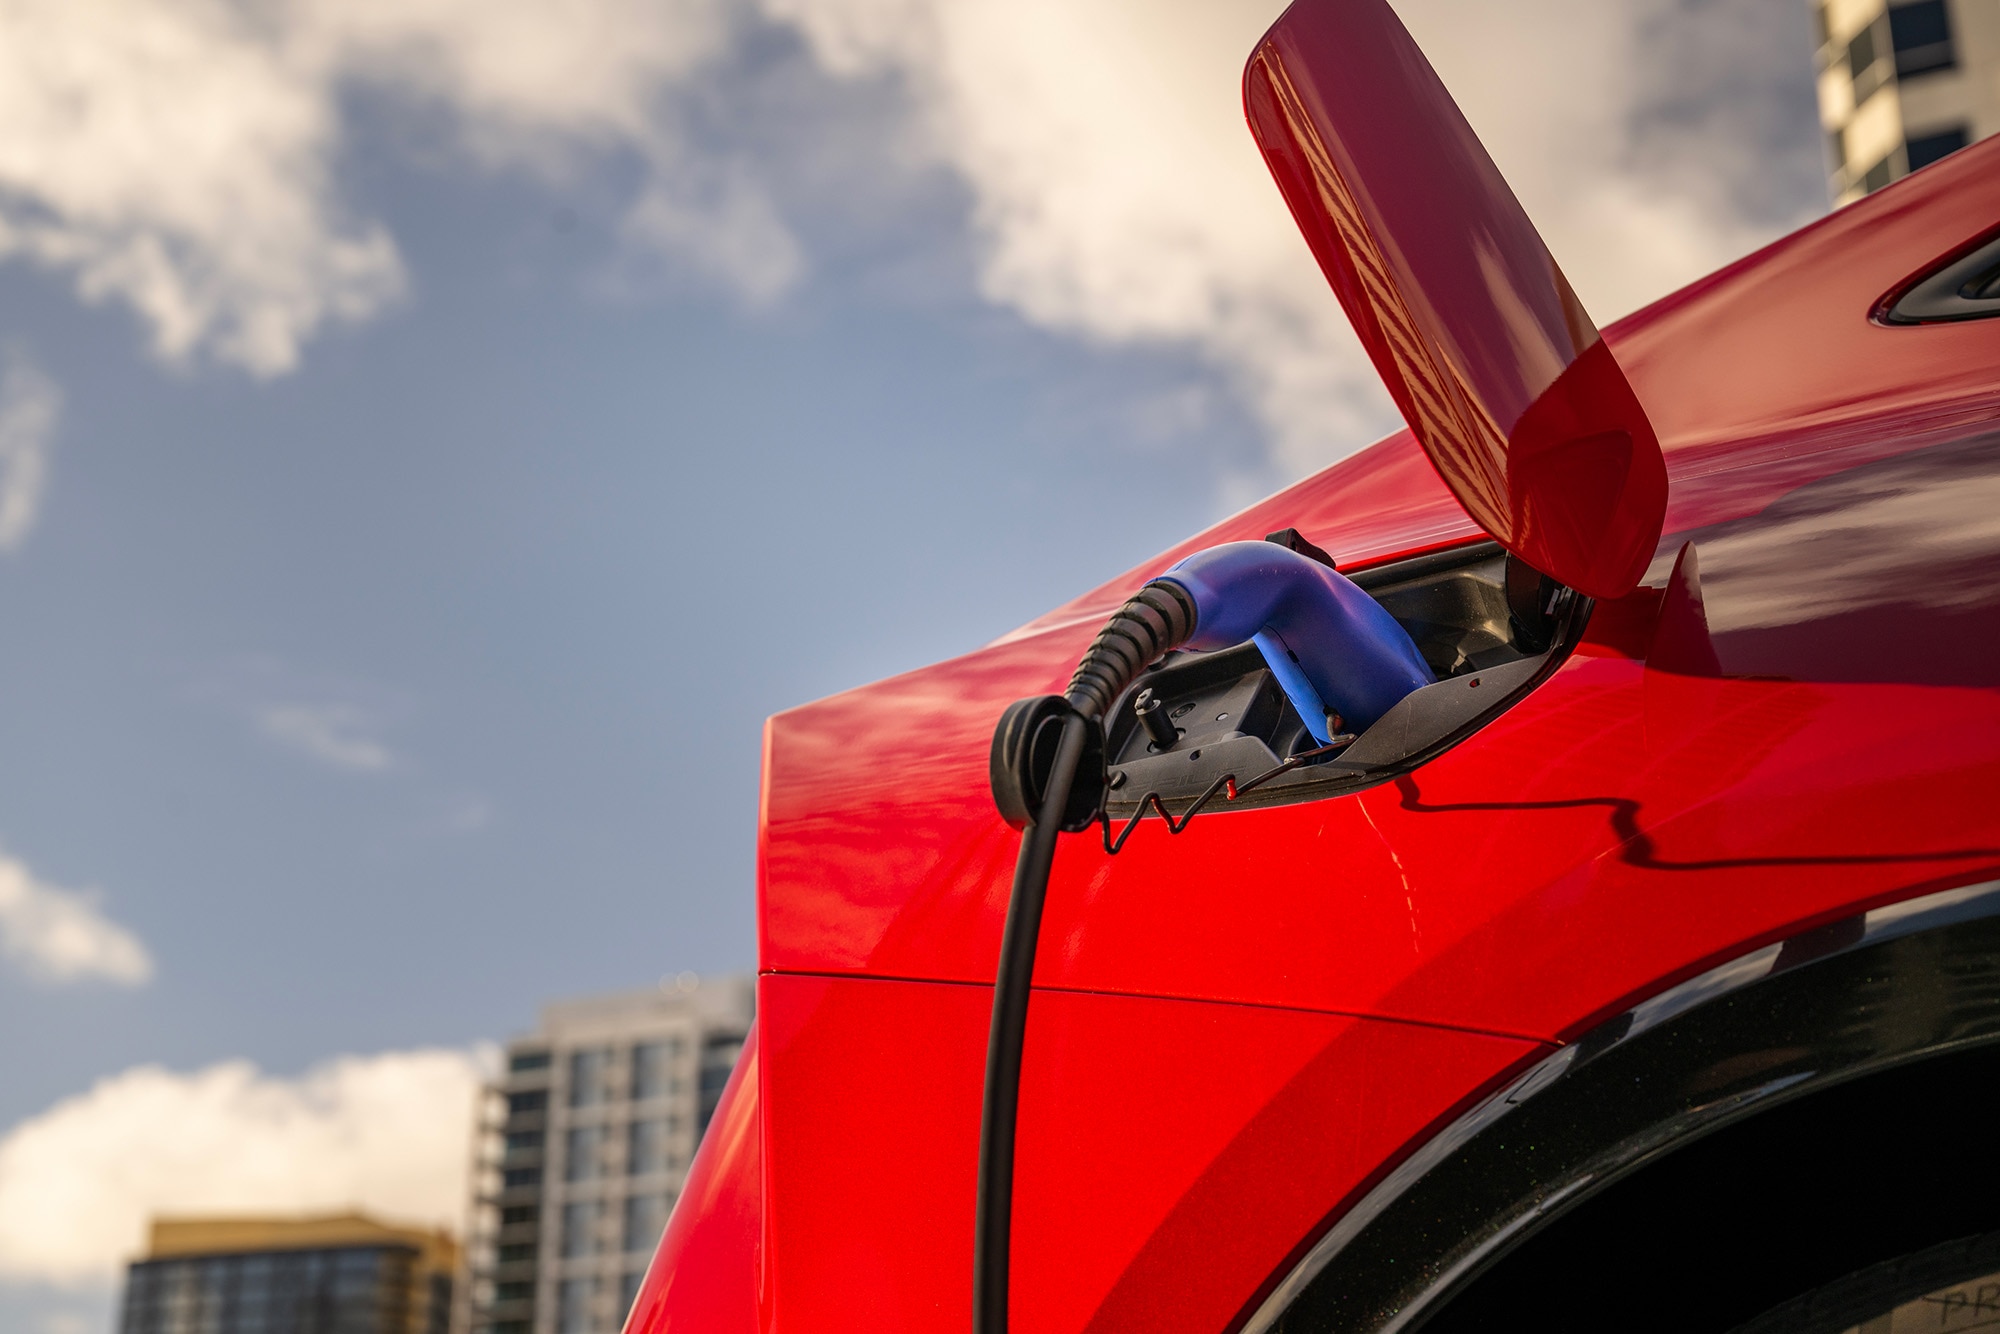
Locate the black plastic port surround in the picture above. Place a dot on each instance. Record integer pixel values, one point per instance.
(1490, 630)
(1966, 288)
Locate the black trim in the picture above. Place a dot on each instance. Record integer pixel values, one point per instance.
(1910, 981)
(1442, 561)
(1966, 288)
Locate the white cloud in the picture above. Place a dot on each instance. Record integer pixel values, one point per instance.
(526, 77)
(339, 735)
(60, 935)
(718, 219)
(1585, 107)
(166, 156)
(30, 407)
(1119, 195)
(387, 1133)
(181, 158)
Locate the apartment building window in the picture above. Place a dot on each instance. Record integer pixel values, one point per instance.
(1865, 65)
(583, 1149)
(646, 1147)
(521, 1062)
(579, 1227)
(1879, 175)
(573, 1305)
(645, 1218)
(523, 1104)
(587, 1069)
(718, 1058)
(1921, 36)
(1928, 148)
(628, 1291)
(653, 1069)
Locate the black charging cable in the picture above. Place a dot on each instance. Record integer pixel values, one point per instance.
(1047, 770)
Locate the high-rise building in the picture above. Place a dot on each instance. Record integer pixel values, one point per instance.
(585, 1142)
(1902, 84)
(332, 1274)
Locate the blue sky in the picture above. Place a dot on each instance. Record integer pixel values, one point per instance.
(424, 532)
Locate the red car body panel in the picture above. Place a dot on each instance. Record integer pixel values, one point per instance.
(1191, 1113)
(1238, 1029)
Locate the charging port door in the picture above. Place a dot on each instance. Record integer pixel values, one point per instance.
(1489, 354)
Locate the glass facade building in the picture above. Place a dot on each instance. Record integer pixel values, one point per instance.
(343, 1274)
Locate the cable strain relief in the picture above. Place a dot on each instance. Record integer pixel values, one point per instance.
(1158, 619)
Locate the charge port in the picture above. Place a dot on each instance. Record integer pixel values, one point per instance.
(1193, 717)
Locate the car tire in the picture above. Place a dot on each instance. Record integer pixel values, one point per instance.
(1954, 1285)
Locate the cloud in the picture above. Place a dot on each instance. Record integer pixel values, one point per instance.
(1118, 195)
(59, 935)
(338, 735)
(388, 1133)
(1651, 140)
(167, 156)
(181, 159)
(722, 222)
(525, 79)
(30, 407)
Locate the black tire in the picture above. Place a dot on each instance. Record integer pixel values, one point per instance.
(1955, 1285)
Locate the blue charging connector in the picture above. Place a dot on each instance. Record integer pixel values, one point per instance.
(1333, 649)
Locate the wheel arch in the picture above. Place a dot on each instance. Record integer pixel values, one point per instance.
(1752, 1064)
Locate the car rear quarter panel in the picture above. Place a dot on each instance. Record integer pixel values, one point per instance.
(1236, 1029)
(1168, 1150)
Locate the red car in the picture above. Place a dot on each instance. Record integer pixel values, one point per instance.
(1578, 902)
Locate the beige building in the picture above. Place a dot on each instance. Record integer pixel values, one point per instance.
(318, 1274)
(586, 1141)
(1902, 84)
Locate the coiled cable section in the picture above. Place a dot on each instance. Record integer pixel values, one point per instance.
(1159, 618)
(1047, 769)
